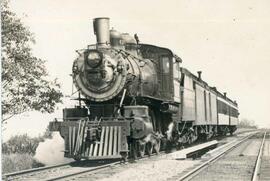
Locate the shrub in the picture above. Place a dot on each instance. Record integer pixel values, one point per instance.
(21, 144)
(17, 162)
(24, 144)
(18, 152)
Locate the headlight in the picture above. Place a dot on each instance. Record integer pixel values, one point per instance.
(93, 58)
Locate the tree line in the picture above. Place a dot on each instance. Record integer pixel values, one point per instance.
(24, 144)
(246, 123)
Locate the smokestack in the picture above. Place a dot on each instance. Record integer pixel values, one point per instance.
(225, 94)
(200, 74)
(102, 31)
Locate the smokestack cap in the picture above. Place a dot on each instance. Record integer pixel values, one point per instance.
(199, 74)
(101, 18)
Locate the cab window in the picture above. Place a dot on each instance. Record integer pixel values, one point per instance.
(165, 65)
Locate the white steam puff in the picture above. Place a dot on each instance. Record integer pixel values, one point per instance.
(169, 131)
(50, 151)
(147, 138)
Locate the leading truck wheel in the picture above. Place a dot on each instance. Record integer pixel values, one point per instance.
(124, 156)
(77, 158)
(149, 148)
(134, 149)
(157, 147)
(141, 149)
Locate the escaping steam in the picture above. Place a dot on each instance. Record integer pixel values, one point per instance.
(147, 138)
(51, 151)
(169, 131)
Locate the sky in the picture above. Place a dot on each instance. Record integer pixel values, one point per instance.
(227, 40)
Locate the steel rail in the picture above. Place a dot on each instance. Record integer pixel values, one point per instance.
(33, 170)
(103, 167)
(256, 173)
(82, 172)
(192, 173)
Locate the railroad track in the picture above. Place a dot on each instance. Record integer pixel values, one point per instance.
(41, 170)
(75, 170)
(48, 172)
(240, 151)
(262, 168)
(70, 171)
(101, 172)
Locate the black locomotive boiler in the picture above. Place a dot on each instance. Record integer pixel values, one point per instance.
(131, 93)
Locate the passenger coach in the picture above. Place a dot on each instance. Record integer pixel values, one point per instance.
(204, 108)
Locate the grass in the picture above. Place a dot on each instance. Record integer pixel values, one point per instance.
(17, 162)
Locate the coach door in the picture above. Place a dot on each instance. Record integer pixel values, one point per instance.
(165, 76)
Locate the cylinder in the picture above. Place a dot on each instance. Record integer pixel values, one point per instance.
(102, 31)
(141, 125)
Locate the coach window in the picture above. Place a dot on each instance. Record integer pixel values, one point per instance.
(205, 107)
(165, 65)
(226, 109)
(219, 106)
(234, 112)
(210, 107)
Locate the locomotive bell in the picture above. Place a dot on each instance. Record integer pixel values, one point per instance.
(101, 30)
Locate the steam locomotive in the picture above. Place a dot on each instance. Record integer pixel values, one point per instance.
(136, 98)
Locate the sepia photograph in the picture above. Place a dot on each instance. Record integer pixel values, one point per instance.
(104, 90)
